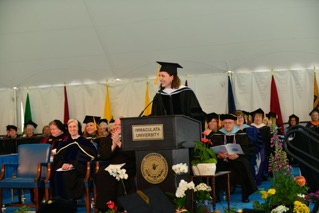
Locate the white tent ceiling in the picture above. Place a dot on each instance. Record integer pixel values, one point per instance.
(48, 42)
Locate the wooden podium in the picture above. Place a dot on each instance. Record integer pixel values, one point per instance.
(159, 143)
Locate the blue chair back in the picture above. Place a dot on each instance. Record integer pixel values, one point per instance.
(29, 155)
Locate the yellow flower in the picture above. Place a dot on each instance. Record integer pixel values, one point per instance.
(299, 207)
(271, 191)
(264, 194)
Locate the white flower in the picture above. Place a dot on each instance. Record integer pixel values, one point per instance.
(182, 187)
(117, 173)
(280, 209)
(191, 185)
(203, 187)
(180, 168)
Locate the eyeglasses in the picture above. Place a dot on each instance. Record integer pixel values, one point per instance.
(227, 123)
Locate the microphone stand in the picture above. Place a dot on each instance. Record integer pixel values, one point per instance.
(140, 115)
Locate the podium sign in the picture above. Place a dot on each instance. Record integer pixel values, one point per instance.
(160, 132)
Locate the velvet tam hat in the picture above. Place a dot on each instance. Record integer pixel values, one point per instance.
(228, 116)
(31, 123)
(12, 127)
(211, 116)
(314, 110)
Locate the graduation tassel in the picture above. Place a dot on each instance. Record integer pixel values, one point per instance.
(157, 74)
(95, 125)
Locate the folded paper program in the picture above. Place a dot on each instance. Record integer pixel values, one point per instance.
(114, 166)
(230, 148)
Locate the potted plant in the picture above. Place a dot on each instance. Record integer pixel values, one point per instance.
(204, 159)
(286, 191)
(203, 198)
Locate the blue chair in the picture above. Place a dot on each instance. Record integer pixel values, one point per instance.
(32, 158)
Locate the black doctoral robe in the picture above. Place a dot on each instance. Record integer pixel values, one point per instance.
(240, 170)
(182, 101)
(69, 184)
(107, 187)
(55, 141)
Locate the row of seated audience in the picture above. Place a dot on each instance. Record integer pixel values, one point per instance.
(253, 131)
(72, 149)
(106, 127)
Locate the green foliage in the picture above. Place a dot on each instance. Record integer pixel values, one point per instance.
(284, 189)
(22, 209)
(203, 153)
(287, 190)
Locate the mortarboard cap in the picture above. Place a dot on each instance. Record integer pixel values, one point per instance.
(168, 67)
(31, 123)
(314, 110)
(271, 115)
(211, 116)
(103, 120)
(228, 116)
(294, 116)
(257, 111)
(90, 118)
(245, 113)
(137, 202)
(12, 127)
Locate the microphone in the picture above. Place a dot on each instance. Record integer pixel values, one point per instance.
(140, 115)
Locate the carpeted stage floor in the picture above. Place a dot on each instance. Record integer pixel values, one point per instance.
(236, 203)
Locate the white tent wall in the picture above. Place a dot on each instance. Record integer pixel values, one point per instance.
(7, 109)
(251, 91)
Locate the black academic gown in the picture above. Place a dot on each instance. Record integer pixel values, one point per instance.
(69, 184)
(55, 141)
(107, 187)
(182, 101)
(240, 170)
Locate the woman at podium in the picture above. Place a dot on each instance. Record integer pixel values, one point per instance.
(174, 98)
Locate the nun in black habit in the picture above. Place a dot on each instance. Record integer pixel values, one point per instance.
(69, 163)
(238, 164)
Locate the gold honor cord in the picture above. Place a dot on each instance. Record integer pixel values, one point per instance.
(143, 196)
(92, 157)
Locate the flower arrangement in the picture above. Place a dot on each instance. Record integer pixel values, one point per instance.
(20, 210)
(286, 191)
(180, 200)
(202, 193)
(180, 168)
(118, 173)
(203, 198)
(112, 208)
(313, 197)
(202, 151)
